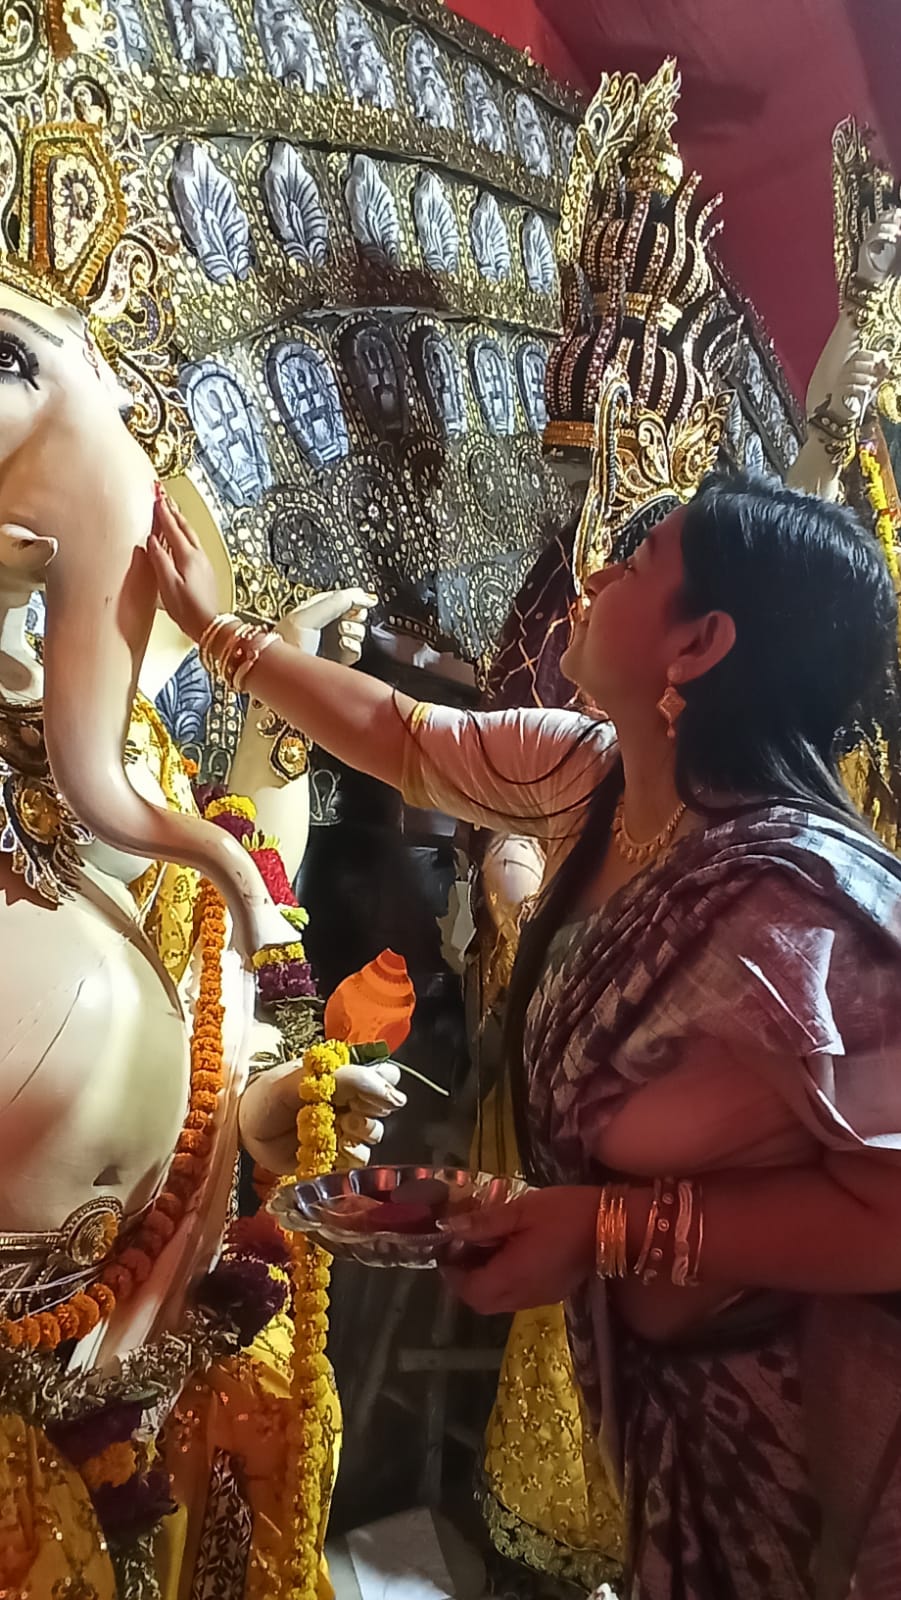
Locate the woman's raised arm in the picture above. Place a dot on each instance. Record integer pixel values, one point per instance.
(356, 718)
(529, 771)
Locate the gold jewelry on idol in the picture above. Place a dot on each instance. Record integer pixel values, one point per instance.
(837, 435)
(640, 854)
(610, 1232)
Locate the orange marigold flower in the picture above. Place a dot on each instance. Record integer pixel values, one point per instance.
(87, 1311)
(103, 1298)
(113, 1466)
(137, 1262)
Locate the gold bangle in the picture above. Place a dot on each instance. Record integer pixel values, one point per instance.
(610, 1233)
(622, 1218)
(837, 435)
(210, 633)
(222, 661)
(694, 1265)
(263, 638)
(683, 1234)
(661, 1238)
(648, 1240)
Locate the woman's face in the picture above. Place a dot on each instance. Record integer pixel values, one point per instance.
(628, 630)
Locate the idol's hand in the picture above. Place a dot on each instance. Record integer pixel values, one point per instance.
(879, 256)
(543, 1250)
(332, 625)
(857, 384)
(364, 1096)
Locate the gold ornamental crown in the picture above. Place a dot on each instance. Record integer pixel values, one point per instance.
(640, 469)
(638, 290)
(627, 132)
(636, 380)
(77, 226)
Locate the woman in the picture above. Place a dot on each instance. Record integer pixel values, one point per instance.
(710, 989)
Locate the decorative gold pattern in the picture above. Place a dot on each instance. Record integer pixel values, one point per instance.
(289, 754)
(39, 1270)
(545, 1495)
(77, 228)
(37, 829)
(636, 462)
(167, 890)
(267, 123)
(627, 126)
(242, 303)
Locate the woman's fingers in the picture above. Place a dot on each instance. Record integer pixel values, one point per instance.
(182, 522)
(485, 1290)
(170, 534)
(485, 1223)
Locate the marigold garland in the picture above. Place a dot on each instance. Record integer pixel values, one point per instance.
(133, 1263)
(874, 481)
(309, 1446)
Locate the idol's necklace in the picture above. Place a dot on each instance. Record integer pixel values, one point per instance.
(641, 854)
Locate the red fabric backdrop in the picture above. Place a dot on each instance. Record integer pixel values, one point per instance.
(763, 84)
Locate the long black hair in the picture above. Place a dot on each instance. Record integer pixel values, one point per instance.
(815, 652)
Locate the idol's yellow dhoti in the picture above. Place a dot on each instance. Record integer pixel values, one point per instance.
(546, 1496)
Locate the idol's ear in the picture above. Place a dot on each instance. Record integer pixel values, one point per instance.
(25, 553)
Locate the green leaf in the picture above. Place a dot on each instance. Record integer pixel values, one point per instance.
(362, 1054)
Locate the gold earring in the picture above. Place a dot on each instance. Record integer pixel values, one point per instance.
(671, 706)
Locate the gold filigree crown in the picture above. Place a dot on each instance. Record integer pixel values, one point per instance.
(637, 287)
(640, 468)
(78, 229)
(636, 380)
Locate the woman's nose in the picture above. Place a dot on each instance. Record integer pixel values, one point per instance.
(599, 580)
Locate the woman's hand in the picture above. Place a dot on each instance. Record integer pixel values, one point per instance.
(184, 576)
(545, 1250)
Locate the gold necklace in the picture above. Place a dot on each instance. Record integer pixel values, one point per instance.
(641, 854)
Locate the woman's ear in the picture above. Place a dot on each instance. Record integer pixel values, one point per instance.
(708, 643)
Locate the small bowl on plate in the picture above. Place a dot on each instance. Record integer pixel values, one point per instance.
(342, 1212)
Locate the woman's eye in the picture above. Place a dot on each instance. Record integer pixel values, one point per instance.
(18, 364)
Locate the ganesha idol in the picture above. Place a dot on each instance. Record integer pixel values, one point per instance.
(102, 858)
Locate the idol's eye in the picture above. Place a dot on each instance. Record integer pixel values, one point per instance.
(18, 364)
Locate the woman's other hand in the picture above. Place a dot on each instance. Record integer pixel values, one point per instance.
(543, 1247)
(184, 575)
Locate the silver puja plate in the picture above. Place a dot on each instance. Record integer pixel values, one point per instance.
(308, 1208)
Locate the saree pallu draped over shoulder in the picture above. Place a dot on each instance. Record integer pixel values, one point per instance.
(760, 1456)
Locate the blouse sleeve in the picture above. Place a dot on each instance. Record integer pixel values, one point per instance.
(525, 771)
(810, 998)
